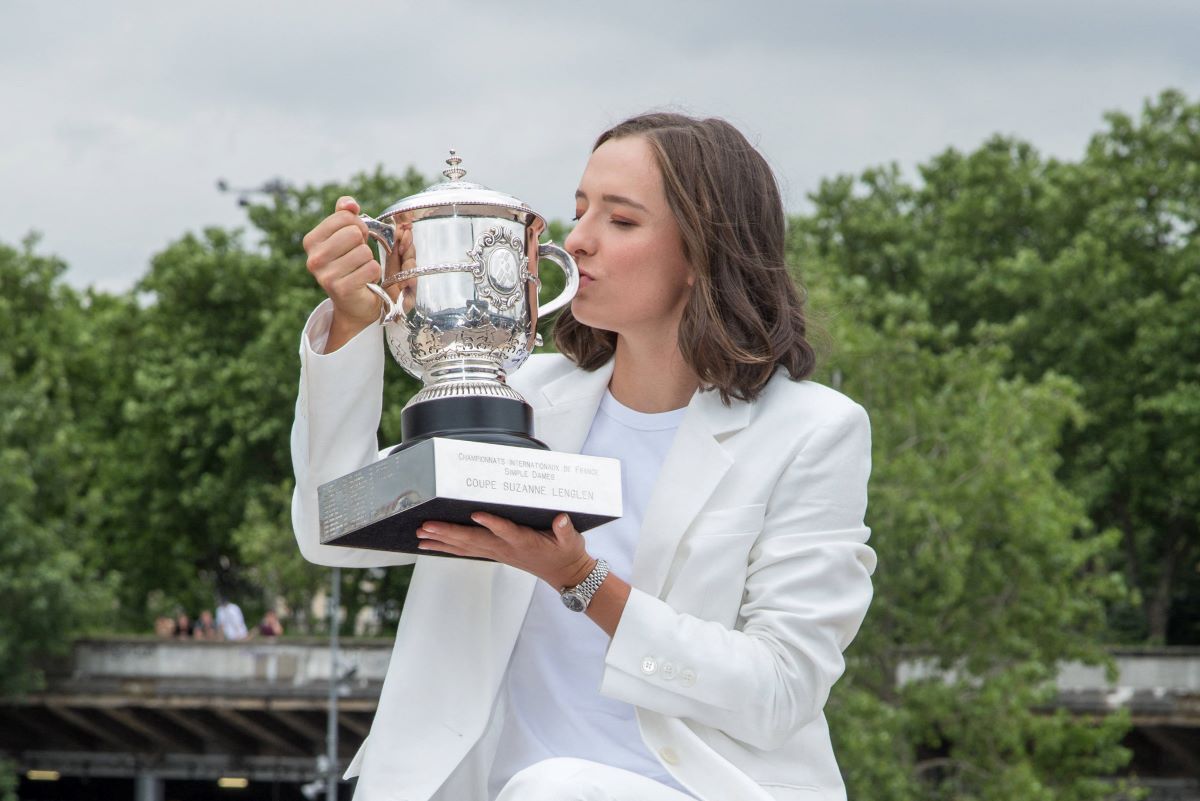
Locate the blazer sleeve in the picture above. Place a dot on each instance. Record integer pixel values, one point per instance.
(807, 590)
(337, 416)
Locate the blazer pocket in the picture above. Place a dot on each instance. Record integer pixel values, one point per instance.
(793, 792)
(709, 577)
(732, 520)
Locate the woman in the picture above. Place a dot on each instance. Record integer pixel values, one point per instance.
(739, 572)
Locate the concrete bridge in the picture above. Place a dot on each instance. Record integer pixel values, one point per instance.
(155, 712)
(159, 711)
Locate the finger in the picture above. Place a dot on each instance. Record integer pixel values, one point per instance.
(330, 225)
(437, 546)
(466, 540)
(338, 243)
(453, 533)
(344, 265)
(405, 251)
(349, 204)
(325, 228)
(502, 527)
(563, 529)
(349, 274)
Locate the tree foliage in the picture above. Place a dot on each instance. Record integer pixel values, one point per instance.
(1024, 334)
(989, 571)
(166, 411)
(1022, 330)
(46, 591)
(1087, 270)
(209, 409)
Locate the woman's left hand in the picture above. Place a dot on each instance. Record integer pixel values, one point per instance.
(559, 556)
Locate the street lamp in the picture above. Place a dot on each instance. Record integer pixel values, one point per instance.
(331, 740)
(275, 187)
(327, 764)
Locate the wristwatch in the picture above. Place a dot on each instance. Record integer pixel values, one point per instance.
(578, 597)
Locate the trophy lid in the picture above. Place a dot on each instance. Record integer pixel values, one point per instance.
(446, 198)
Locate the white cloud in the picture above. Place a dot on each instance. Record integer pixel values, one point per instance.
(120, 117)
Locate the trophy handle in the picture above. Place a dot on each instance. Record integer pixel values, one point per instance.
(384, 234)
(381, 232)
(565, 263)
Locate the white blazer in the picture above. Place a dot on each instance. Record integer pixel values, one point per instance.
(750, 578)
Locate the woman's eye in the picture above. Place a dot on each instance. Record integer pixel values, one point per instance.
(623, 223)
(578, 216)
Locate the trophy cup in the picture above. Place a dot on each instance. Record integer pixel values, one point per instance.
(460, 311)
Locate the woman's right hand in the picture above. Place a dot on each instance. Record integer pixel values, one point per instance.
(343, 264)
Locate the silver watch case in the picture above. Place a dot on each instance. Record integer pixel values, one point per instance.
(578, 597)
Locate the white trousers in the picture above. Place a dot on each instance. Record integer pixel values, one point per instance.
(568, 779)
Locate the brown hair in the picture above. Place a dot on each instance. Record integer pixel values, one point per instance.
(745, 316)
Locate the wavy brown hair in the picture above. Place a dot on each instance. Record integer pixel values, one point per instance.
(745, 316)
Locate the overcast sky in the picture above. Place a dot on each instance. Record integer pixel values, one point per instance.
(117, 119)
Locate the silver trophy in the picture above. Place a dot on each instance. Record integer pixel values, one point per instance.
(460, 312)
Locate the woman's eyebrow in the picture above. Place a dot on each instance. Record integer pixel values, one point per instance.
(617, 199)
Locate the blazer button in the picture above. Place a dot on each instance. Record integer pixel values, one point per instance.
(649, 665)
(668, 755)
(687, 677)
(668, 670)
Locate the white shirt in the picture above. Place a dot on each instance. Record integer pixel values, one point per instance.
(230, 621)
(554, 704)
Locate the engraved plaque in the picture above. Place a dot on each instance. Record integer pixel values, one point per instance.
(382, 505)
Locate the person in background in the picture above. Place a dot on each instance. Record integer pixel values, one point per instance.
(206, 627)
(270, 625)
(230, 620)
(183, 626)
(164, 627)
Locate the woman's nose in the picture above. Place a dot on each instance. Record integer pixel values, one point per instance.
(579, 242)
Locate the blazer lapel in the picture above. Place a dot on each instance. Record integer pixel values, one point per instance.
(568, 406)
(690, 474)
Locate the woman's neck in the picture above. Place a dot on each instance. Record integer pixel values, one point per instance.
(650, 375)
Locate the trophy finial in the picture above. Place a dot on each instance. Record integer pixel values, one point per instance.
(455, 172)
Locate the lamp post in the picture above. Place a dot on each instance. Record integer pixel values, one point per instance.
(278, 188)
(331, 737)
(275, 187)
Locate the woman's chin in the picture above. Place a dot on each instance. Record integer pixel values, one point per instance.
(588, 316)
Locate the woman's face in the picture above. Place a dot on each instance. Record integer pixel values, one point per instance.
(633, 274)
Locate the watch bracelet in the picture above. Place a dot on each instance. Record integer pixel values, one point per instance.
(591, 584)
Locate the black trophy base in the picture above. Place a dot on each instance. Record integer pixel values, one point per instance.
(399, 532)
(497, 421)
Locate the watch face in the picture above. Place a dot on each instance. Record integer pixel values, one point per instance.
(573, 602)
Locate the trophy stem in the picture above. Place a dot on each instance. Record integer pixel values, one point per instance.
(463, 369)
(459, 377)
(498, 421)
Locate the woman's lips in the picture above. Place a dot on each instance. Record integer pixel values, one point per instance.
(584, 279)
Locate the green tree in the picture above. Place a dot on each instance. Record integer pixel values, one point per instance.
(282, 224)
(198, 475)
(989, 571)
(1020, 330)
(185, 389)
(46, 591)
(1087, 270)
